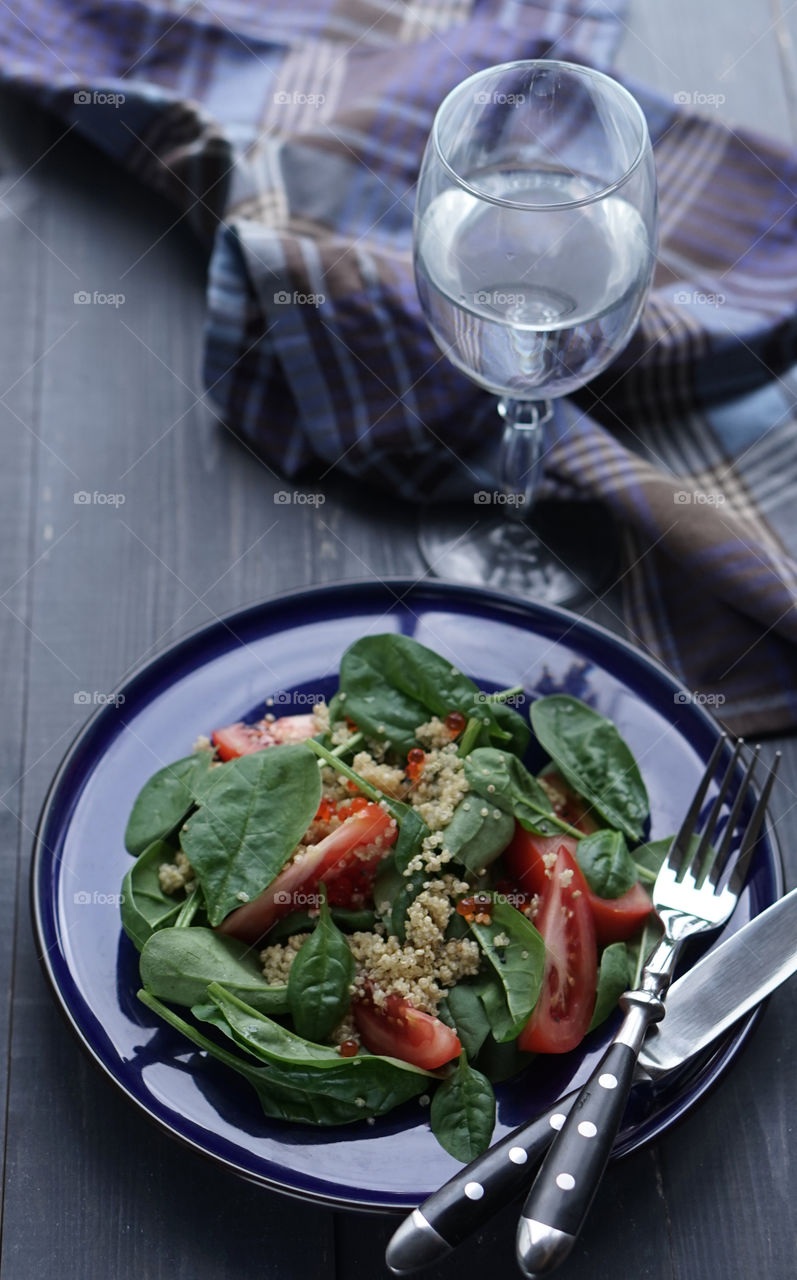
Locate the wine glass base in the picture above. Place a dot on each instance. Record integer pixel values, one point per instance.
(567, 553)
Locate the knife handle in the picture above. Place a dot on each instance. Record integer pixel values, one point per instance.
(565, 1186)
(464, 1203)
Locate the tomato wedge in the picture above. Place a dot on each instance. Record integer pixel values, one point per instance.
(618, 919)
(241, 739)
(399, 1030)
(615, 919)
(546, 867)
(345, 861)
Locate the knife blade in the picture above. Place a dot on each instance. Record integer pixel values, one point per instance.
(721, 988)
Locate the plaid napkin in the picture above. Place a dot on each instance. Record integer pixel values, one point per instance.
(290, 136)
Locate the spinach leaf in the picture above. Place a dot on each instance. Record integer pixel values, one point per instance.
(515, 725)
(614, 976)
(462, 1009)
(316, 1070)
(505, 782)
(412, 833)
(462, 1113)
(607, 865)
(501, 1061)
(503, 1026)
(319, 979)
(179, 965)
(301, 1092)
(164, 801)
(349, 919)
(519, 965)
(406, 895)
(594, 759)
(390, 684)
(250, 823)
(477, 832)
(145, 907)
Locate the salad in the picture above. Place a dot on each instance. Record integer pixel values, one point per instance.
(407, 893)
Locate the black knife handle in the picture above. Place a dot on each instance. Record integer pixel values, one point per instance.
(565, 1187)
(476, 1193)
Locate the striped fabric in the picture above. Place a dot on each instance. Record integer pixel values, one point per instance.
(290, 136)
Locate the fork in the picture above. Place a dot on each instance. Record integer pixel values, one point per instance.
(695, 891)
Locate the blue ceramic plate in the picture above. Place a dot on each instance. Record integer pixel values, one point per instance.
(290, 648)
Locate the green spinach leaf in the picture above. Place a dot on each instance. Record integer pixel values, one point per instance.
(594, 759)
(250, 823)
(462, 1009)
(319, 979)
(349, 919)
(164, 801)
(301, 1092)
(477, 832)
(518, 965)
(390, 684)
(145, 907)
(501, 1060)
(607, 865)
(504, 781)
(614, 977)
(180, 964)
(462, 1113)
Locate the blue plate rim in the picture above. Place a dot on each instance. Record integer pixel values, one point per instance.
(717, 1060)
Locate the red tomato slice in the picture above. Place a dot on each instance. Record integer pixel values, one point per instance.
(618, 919)
(399, 1030)
(615, 919)
(244, 739)
(547, 867)
(344, 861)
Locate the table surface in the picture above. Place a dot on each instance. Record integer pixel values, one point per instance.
(111, 401)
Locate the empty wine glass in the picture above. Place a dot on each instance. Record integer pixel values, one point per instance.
(534, 240)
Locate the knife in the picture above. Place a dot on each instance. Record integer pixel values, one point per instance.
(727, 983)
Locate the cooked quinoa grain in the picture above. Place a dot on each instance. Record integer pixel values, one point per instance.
(177, 875)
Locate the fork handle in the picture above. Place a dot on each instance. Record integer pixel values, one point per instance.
(565, 1187)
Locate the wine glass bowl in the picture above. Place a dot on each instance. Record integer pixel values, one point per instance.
(534, 245)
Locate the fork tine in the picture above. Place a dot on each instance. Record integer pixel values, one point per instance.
(695, 862)
(723, 852)
(740, 866)
(681, 841)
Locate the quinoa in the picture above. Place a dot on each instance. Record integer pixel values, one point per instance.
(440, 787)
(277, 959)
(424, 967)
(177, 875)
(433, 735)
(385, 777)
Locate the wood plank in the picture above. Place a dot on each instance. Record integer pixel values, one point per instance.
(90, 1188)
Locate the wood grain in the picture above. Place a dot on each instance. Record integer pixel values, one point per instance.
(109, 401)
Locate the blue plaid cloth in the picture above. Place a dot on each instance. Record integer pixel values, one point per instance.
(290, 137)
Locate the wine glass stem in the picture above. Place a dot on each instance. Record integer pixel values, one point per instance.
(522, 449)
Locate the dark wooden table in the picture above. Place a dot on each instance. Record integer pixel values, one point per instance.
(96, 398)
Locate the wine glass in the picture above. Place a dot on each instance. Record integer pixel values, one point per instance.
(534, 247)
